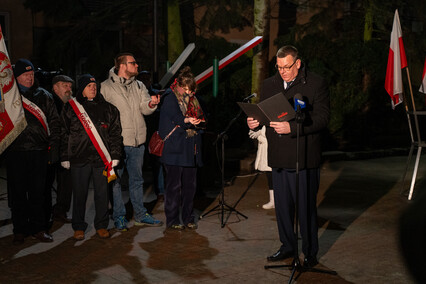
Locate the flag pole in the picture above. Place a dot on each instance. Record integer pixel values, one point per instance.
(411, 88)
(417, 137)
(2, 104)
(414, 106)
(408, 117)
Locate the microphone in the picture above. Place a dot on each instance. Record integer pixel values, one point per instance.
(246, 99)
(298, 102)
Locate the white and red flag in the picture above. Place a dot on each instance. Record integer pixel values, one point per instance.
(12, 117)
(229, 58)
(423, 85)
(396, 61)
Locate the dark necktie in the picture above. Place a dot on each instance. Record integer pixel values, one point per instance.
(287, 85)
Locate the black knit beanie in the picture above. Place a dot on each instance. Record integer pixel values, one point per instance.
(22, 66)
(85, 80)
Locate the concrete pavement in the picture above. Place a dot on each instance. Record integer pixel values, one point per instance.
(358, 205)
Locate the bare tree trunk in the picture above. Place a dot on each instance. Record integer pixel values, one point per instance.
(261, 28)
(368, 24)
(368, 33)
(175, 38)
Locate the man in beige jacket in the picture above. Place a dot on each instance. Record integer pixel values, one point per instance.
(131, 98)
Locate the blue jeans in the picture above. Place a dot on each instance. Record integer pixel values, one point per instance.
(133, 162)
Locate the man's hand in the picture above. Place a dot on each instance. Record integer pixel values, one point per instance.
(281, 127)
(155, 100)
(66, 164)
(252, 123)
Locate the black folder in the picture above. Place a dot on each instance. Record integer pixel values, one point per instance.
(275, 108)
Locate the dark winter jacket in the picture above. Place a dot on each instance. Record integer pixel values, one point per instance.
(58, 103)
(282, 148)
(179, 150)
(76, 145)
(34, 136)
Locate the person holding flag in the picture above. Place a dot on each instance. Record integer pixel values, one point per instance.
(91, 146)
(28, 156)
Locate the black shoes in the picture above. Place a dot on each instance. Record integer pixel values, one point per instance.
(279, 255)
(310, 262)
(192, 226)
(43, 237)
(180, 227)
(177, 227)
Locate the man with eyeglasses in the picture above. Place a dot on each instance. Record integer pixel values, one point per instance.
(132, 99)
(292, 78)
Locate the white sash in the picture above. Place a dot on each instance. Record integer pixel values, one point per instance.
(94, 137)
(37, 112)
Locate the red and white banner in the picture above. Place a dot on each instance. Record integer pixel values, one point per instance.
(12, 116)
(37, 112)
(396, 61)
(228, 59)
(94, 137)
(423, 85)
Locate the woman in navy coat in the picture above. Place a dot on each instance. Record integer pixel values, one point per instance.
(182, 150)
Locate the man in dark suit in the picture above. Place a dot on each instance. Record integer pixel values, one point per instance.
(292, 79)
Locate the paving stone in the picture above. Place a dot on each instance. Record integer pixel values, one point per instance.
(358, 204)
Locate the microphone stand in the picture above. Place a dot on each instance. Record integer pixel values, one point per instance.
(222, 206)
(295, 264)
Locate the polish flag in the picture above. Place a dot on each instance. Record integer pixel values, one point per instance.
(423, 85)
(396, 61)
(12, 117)
(229, 58)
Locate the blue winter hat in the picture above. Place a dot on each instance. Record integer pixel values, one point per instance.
(22, 66)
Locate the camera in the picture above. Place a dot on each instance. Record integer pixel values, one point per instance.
(45, 77)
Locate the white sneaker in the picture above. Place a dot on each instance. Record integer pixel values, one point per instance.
(269, 205)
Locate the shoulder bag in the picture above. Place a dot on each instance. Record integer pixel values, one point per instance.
(156, 144)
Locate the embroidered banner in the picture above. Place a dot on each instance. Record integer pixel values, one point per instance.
(12, 116)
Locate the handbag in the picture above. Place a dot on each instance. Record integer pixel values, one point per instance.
(156, 144)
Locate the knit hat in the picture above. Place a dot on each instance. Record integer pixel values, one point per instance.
(22, 66)
(62, 78)
(85, 80)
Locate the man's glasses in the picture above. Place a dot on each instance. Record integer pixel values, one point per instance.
(133, 63)
(285, 68)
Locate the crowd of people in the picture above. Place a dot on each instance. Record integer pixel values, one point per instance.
(102, 131)
(95, 136)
